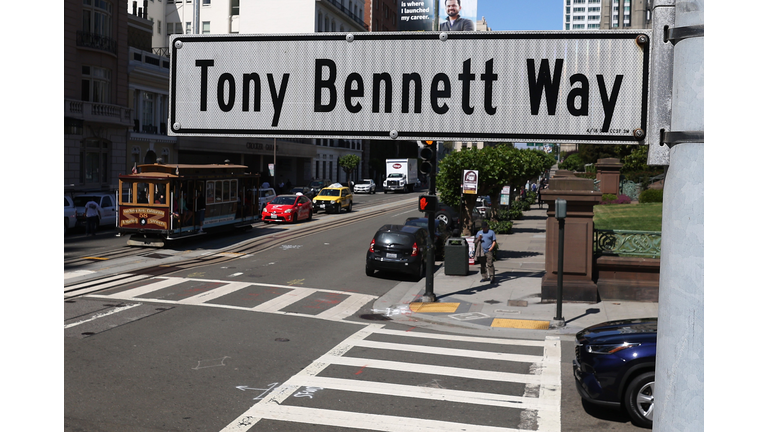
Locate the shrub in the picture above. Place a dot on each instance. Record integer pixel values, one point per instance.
(651, 196)
(613, 199)
(515, 211)
(500, 227)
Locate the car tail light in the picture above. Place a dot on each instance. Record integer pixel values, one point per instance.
(373, 242)
(415, 250)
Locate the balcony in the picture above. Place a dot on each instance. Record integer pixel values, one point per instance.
(97, 112)
(349, 13)
(95, 41)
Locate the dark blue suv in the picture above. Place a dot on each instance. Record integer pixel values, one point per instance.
(615, 366)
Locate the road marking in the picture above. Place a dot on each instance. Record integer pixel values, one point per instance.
(520, 324)
(540, 411)
(349, 306)
(102, 315)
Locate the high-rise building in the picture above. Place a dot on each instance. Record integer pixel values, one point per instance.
(605, 14)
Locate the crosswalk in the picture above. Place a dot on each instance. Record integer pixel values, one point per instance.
(257, 297)
(371, 381)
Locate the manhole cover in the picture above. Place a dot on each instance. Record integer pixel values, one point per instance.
(282, 340)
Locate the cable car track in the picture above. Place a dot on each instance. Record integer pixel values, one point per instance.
(245, 248)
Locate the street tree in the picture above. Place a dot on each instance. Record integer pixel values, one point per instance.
(497, 166)
(349, 164)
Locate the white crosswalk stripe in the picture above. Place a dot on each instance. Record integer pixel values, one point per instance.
(543, 407)
(349, 305)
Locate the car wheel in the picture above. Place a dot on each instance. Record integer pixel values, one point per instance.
(420, 272)
(349, 209)
(639, 399)
(66, 226)
(444, 218)
(385, 191)
(369, 271)
(309, 218)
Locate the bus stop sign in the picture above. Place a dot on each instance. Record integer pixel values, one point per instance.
(579, 87)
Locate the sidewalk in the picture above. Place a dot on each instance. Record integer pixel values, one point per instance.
(512, 305)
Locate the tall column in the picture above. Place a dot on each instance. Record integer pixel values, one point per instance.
(679, 388)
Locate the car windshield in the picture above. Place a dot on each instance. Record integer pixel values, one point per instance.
(298, 189)
(395, 238)
(418, 223)
(316, 184)
(330, 192)
(396, 175)
(283, 200)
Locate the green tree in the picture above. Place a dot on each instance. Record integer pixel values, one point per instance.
(349, 164)
(637, 160)
(497, 166)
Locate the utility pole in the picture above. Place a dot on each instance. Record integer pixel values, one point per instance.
(679, 387)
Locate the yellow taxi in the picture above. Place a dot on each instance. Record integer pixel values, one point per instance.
(333, 198)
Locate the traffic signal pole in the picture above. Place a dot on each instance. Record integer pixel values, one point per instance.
(428, 204)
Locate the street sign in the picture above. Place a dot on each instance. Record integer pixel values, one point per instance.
(469, 186)
(576, 87)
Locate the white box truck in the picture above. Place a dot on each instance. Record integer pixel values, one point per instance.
(401, 175)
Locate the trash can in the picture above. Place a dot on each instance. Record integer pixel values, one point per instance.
(456, 260)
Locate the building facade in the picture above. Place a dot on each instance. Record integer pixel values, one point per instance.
(606, 14)
(96, 108)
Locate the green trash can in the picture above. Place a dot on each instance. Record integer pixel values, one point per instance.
(456, 260)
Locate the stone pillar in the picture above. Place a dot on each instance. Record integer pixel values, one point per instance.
(578, 285)
(608, 172)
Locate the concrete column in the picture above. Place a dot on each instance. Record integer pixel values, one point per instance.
(578, 285)
(679, 388)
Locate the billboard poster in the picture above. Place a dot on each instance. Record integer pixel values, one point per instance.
(458, 15)
(416, 15)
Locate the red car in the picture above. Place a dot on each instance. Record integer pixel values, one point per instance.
(287, 208)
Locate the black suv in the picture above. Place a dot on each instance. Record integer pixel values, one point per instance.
(398, 248)
(315, 186)
(615, 366)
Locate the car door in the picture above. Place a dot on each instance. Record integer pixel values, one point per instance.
(108, 210)
(304, 208)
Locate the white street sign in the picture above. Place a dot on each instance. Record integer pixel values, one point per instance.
(575, 87)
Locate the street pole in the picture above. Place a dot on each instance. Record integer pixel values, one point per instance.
(560, 214)
(679, 381)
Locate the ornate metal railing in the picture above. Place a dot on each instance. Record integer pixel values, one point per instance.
(628, 243)
(630, 189)
(96, 41)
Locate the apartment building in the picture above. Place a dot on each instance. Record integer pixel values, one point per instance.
(606, 14)
(96, 107)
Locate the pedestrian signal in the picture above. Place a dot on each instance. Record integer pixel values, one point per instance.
(428, 203)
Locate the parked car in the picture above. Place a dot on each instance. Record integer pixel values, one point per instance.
(482, 204)
(304, 190)
(287, 208)
(615, 366)
(70, 214)
(441, 233)
(333, 198)
(365, 186)
(265, 196)
(317, 185)
(398, 248)
(108, 208)
(450, 217)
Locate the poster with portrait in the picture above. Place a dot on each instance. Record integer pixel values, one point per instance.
(458, 15)
(415, 15)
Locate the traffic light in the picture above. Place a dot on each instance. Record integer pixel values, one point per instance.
(428, 203)
(427, 154)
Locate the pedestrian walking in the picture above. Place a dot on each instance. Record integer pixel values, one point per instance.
(93, 214)
(485, 242)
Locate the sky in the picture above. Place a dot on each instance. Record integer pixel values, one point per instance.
(507, 15)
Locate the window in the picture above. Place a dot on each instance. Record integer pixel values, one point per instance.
(94, 161)
(188, 27)
(206, 2)
(147, 108)
(206, 27)
(96, 84)
(97, 17)
(235, 7)
(174, 28)
(159, 27)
